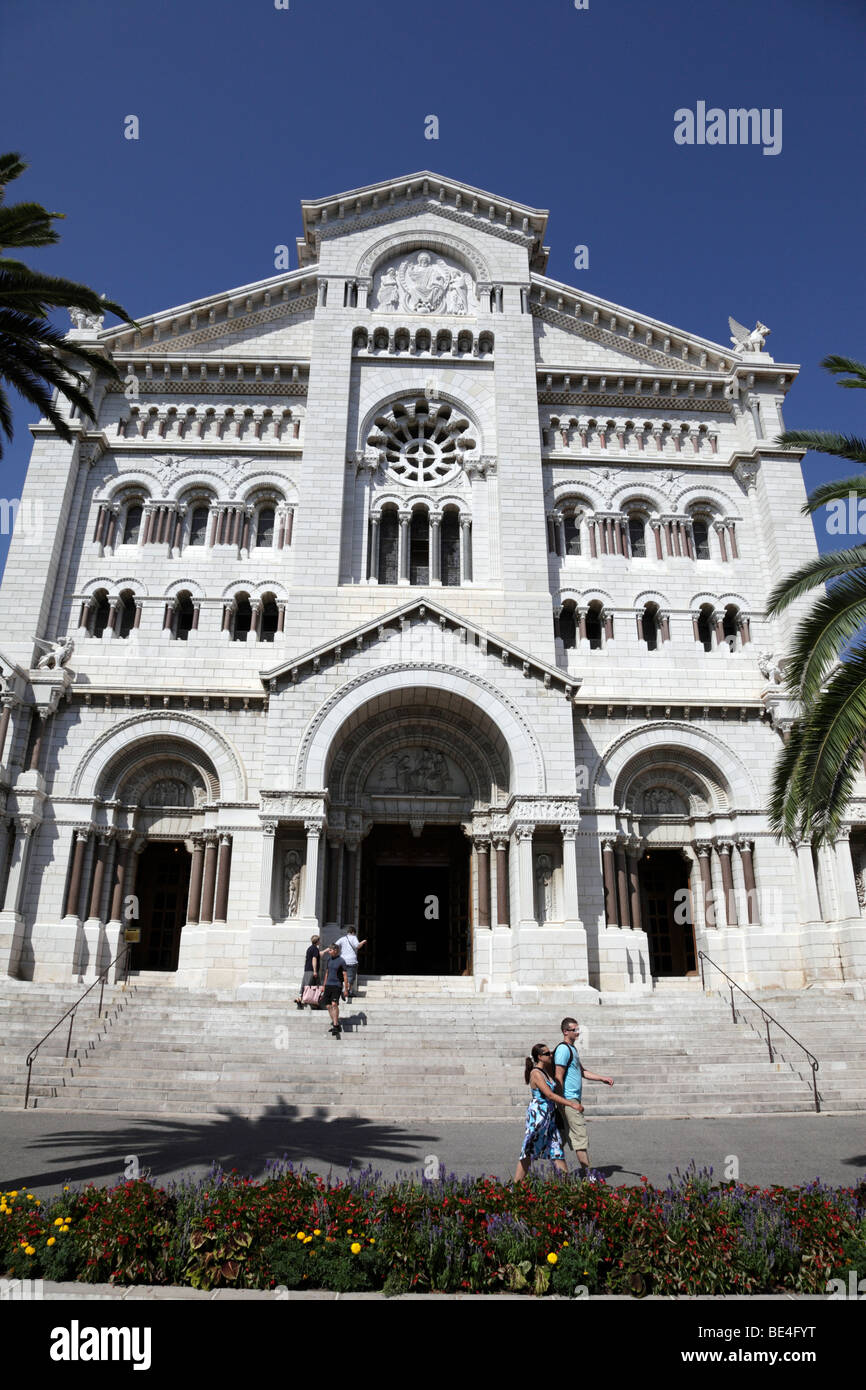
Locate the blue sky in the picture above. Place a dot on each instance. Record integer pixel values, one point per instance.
(245, 109)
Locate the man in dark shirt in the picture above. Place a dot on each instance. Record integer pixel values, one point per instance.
(335, 970)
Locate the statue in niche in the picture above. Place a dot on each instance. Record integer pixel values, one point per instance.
(389, 291)
(456, 296)
(292, 882)
(543, 887)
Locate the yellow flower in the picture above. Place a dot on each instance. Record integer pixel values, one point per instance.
(372, 1240)
(355, 1247)
(14, 1194)
(63, 1230)
(317, 1232)
(300, 1235)
(29, 1250)
(307, 1240)
(52, 1240)
(564, 1244)
(66, 1189)
(552, 1259)
(30, 1196)
(58, 1221)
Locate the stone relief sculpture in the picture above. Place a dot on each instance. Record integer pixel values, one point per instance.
(423, 771)
(81, 319)
(424, 286)
(292, 882)
(543, 888)
(168, 792)
(770, 668)
(661, 801)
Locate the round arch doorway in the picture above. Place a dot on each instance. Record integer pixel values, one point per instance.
(414, 904)
(663, 875)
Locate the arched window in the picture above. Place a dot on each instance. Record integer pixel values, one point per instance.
(594, 626)
(571, 531)
(651, 626)
(701, 533)
(132, 523)
(243, 619)
(419, 547)
(270, 618)
(389, 546)
(265, 525)
(705, 627)
(637, 536)
(449, 545)
(731, 626)
(101, 611)
(198, 524)
(568, 627)
(184, 617)
(125, 621)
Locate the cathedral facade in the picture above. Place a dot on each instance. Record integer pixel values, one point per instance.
(417, 592)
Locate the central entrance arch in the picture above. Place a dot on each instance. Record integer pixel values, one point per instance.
(414, 904)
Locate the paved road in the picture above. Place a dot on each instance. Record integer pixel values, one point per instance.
(45, 1149)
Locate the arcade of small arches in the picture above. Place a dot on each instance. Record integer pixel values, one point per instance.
(198, 521)
(199, 423)
(669, 437)
(588, 625)
(636, 531)
(245, 616)
(422, 342)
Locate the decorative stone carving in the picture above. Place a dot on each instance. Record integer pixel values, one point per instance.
(423, 771)
(743, 340)
(82, 319)
(770, 668)
(425, 285)
(421, 441)
(661, 801)
(54, 654)
(168, 792)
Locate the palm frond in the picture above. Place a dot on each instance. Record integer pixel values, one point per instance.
(837, 491)
(819, 570)
(828, 625)
(837, 365)
(823, 442)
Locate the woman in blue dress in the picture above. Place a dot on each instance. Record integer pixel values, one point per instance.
(541, 1139)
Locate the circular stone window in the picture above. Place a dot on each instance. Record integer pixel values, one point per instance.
(422, 443)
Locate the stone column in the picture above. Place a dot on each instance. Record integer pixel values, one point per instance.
(435, 547)
(209, 886)
(82, 835)
(193, 905)
(718, 621)
(405, 519)
(569, 874)
(335, 869)
(15, 884)
(746, 848)
(482, 860)
(846, 883)
(725, 849)
(122, 857)
(311, 883)
(223, 877)
(808, 884)
(350, 867)
(374, 550)
(269, 840)
(609, 870)
(8, 702)
(704, 850)
(465, 550)
(622, 886)
(633, 853)
(99, 877)
(502, 914)
(523, 835)
(40, 719)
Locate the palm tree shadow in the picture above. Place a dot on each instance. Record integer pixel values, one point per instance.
(171, 1146)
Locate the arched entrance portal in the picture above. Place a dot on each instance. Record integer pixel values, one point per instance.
(414, 908)
(408, 774)
(663, 876)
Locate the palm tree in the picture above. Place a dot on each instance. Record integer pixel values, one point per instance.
(34, 357)
(825, 670)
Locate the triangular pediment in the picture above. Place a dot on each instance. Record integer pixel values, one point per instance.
(421, 610)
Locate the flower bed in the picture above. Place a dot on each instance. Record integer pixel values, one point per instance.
(549, 1234)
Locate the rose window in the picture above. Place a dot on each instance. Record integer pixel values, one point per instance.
(422, 443)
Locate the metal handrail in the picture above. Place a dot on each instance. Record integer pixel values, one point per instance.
(100, 980)
(768, 1019)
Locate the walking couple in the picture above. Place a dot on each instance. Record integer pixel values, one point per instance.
(555, 1112)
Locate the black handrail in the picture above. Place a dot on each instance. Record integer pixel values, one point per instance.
(100, 980)
(768, 1019)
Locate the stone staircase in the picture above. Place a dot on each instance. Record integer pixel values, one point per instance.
(417, 1050)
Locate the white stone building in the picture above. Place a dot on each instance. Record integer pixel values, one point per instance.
(417, 591)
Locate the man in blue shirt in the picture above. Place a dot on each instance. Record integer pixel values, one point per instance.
(569, 1074)
(335, 970)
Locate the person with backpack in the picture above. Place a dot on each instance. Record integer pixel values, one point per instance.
(349, 946)
(570, 1074)
(541, 1139)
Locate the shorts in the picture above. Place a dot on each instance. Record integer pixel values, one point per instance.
(576, 1138)
(352, 974)
(332, 994)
